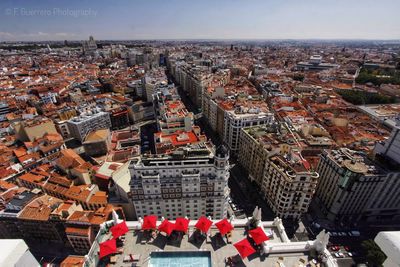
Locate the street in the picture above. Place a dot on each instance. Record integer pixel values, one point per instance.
(245, 195)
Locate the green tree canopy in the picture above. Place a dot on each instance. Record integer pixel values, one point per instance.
(374, 254)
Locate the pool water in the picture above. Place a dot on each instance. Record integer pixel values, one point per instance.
(180, 259)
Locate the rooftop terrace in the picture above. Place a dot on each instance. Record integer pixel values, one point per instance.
(137, 246)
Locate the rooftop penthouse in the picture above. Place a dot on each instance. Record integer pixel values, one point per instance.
(354, 161)
(165, 143)
(200, 150)
(173, 116)
(125, 144)
(275, 137)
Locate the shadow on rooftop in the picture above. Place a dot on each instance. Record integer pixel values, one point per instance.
(175, 239)
(217, 241)
(197, 239)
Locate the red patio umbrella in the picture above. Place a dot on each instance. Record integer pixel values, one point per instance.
(166, 227)
(149, 222)
(119, 229)
(108, 247)
(244, 248)
(181, 224)
(203, 224)
(224, 226)
(258, 235)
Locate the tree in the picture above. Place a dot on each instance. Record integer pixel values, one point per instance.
(373, 253)
(298, 77)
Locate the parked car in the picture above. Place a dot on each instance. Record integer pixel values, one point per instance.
(335, 248)
(355, 233)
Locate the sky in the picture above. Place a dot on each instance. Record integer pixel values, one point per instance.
(28, 20)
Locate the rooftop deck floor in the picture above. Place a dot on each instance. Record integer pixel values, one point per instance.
(136, 242)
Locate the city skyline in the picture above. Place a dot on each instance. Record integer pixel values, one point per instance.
(200, 133)
(184, 20)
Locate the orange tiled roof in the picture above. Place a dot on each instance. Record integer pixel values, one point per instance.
(73, 261)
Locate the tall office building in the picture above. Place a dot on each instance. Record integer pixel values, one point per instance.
(348, 183)
(390, 148)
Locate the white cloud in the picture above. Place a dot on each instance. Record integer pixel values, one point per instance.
(6, 34)
(36, 36)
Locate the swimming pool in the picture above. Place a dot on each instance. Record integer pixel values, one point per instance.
(180, 259)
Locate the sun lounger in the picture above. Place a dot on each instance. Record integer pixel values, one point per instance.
(131, 258)
(113, 259)
(127, 258)
(136, 257)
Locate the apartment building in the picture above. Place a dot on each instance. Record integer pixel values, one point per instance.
(154, 80)
(141, 111)
(390, 148)
(194, 79)
(119, 117)
(245, 115)
(229, 108)
(348, 182)
(191, 181)
(88, 122)
(173, 116)
(29, 130)
(61, 187)
(383, 209)
(97, 143)
(273, 158)
(44, 219)
(81, 227)
(171, 113)
(212, 111)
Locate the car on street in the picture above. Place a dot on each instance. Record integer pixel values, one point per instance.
(339, 255)
(335, 248)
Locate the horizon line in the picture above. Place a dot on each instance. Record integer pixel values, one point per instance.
(212, 39)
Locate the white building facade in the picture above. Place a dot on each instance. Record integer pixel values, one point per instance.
(189, 182)
(80, 126)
